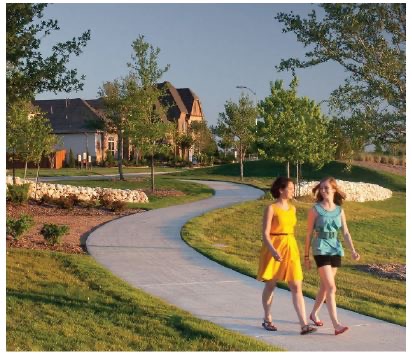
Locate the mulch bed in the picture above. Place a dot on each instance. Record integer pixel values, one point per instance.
(392, 271)
(81, 222)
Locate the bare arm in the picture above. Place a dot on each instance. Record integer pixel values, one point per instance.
(348, 238)
(312, 215)
(266, 227)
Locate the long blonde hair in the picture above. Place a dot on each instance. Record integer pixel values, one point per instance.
(339, 195)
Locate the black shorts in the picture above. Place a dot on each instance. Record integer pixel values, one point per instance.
(323, 260)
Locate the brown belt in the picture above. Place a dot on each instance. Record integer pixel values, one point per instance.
(279, 233)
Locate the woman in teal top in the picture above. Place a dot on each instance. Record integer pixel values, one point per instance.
(325, 220)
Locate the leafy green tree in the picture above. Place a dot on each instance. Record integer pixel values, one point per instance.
(369, 42)
(27, 71)
(238, 123)
(16, 123)
(293, 128)
(204, 142)
(72, 162)
(148, 128)
(115, 96)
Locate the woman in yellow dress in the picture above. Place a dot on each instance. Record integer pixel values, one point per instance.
(279, 256)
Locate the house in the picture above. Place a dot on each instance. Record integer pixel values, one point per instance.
(78, 122)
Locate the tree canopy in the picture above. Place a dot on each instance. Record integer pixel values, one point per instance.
(368, 41)
(28, 71)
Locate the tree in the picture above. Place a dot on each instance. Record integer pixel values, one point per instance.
(293, 128)
(115, 96)
(238, 122)
(368, 41)
(203, 141)
(27, 71)
(29, 135)
(148, 127)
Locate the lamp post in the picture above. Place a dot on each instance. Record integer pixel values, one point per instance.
(251, 91)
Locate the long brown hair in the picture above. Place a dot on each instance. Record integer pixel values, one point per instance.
(339, 195)
(278, 184)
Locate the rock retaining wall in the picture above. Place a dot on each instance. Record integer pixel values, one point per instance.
(360, 192)
(83, 193)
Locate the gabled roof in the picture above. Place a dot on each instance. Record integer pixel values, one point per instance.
(71, 115)
(188, 97)
(80, 116)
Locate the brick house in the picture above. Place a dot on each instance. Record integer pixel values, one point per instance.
(76, 121)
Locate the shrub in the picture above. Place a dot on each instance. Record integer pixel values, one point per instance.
(118, 206)
(72, 162)
(87, 203)
(52, 232)
(377, 158)
(46, 199)
(16, 227)
(18, 194)
(393, 160)
(64, 202)
(402, 161)
(384, 159)
(359, 156)
(105, 200)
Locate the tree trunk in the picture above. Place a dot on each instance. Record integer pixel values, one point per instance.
(241, 162)
(120, 153)
(14, 169)
(152, 173)
(25, 170)
(297, 179)
(287, 169)
(37, 179)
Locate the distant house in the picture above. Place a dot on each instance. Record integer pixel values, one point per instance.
(76, 121)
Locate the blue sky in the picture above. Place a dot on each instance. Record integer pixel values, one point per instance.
(211, 48)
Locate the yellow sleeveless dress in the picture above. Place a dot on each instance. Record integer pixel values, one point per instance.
(290, 268)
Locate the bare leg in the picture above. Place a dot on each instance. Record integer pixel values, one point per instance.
(267, 299)
(298, 301)
(320, 298)
(327, 277)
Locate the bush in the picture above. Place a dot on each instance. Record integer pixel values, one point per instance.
(377, 158)
(87, 203)
(47, 199)
(16, 227)
(384, 159)
(359, 157)
(402, 161)
(393, 160)
(117, 206)
(64, 202)
(52, 233)
(72, 162)
(105, 200)
(18, 194)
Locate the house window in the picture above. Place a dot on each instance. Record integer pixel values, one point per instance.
(110, 144)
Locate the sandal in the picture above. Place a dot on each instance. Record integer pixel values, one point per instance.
(340, 331)
(269, 326)
(307, 329)
(317, 323)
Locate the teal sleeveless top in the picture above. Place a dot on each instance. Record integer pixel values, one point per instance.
(325, 240)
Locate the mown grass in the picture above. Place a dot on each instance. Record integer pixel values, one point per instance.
(45, 172)
(262, 172)
(191, 191)
(232, 237)
(63, 302)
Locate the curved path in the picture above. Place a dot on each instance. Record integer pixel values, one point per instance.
(147, 251)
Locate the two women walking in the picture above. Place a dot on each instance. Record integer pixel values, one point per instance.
(280, 259)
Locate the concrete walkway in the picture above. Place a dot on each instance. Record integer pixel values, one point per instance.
(147, 251)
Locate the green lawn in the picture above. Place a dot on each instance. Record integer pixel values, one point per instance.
(261, 173)
(62, 302)
(232, 237)
(44, 172)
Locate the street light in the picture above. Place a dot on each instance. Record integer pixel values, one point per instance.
(254, 93)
